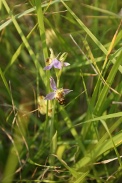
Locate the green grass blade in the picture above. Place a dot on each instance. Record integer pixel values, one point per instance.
(105, 126)
(98, 43)
(71, 170)
(5, 82)
(103, 117)
(41, 28)
(18, 51)
(99, 150)
(100, 103)
(81, 177)
(72, 129)
(109, 13)
(41, 71)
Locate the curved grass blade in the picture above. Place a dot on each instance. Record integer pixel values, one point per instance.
(98, 43)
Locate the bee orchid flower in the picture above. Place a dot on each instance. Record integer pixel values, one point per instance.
(55, 63)
(57, 94)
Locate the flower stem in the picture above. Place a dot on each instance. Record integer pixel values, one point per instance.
(42, 31)
(53, 139)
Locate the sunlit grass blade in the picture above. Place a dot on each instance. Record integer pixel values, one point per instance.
(99, 150)
(114, 147)
(71, 170)
(111, 46)
(81, 177)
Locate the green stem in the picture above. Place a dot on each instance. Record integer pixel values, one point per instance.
(53, 140)
(41, 27)
(45, 53)
(42, 31)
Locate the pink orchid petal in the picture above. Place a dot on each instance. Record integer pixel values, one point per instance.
(48, 67)
(53, 84)
(66, 91)
(50, 96)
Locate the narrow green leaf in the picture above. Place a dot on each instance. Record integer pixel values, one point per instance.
(27, 45)
(104, 92)
(88, 157)
(99, 150)
(5, 82)
(71, 170)
(98, 43)
(105, 126)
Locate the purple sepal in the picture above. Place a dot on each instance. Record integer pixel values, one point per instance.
(50, 96)
(48, 67)
(66, 91)
(53, 84)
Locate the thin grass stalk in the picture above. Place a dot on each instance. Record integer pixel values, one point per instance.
(42, 31)
(52, 149)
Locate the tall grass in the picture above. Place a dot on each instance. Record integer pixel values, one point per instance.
(81, 140)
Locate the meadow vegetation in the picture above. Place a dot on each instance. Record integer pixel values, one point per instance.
(43, 140)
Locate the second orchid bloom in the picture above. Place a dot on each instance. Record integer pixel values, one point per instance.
(58, 94)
